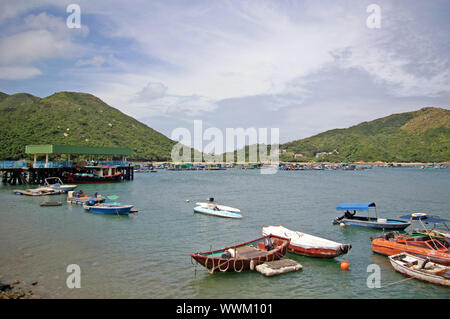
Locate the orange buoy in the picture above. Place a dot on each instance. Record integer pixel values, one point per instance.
(344, 265)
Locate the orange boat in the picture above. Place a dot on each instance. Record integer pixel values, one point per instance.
(421, 246)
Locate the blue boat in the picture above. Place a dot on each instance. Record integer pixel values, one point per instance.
(111, 208)
(351, 219)
(216, 212)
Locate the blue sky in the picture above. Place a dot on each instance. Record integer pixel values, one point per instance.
(301, 66)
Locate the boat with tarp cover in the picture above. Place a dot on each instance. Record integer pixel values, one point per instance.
(245, 256)
(351, 219)
(308, 245)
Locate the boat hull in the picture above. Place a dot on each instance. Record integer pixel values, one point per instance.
(393, 224)
(217, 213)
(308, 245)
(214, 260)
(424, 275)
(86, 179)
(389, 248)
(122, 210)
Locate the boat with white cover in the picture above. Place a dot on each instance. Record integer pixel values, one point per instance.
(308, 245)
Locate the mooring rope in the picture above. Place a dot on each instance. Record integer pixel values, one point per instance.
(396, 282)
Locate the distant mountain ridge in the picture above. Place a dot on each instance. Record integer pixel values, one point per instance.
(418, 136)
(76, 119)
(82, 119)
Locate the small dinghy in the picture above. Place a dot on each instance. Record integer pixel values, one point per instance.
(49, 203)
(422, 269)
(308, 245)
(243, 256)
(221, 207)
(107, 208)
(215, 211)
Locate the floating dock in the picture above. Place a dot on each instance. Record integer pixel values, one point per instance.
(276, 267)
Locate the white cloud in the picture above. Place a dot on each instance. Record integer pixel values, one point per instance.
(18, 72)
(95, 61)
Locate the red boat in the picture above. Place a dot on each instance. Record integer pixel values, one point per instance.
(243, 256)
(95, 174)
(422, 246)
(308, 245)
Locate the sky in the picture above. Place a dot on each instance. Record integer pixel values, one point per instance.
(301, 66)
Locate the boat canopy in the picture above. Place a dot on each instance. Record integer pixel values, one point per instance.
(355, 206)
(424, 217)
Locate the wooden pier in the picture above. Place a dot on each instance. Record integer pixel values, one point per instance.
(77, 160)
(37, 176)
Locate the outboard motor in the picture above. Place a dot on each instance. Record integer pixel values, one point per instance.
(268, 244)
(337, 220)
(426, 261)
(345, 248)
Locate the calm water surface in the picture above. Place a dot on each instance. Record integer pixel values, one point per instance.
(147, 255)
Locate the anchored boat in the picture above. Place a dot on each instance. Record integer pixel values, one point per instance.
(422, 269)
(107, 208)
(366, 221)
(308, 245)
(244, 256)
(422, 246)
(423, 218)
(40, 191)
(95, 174)
(57, 184)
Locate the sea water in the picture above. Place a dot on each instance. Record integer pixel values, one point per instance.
(147, 255)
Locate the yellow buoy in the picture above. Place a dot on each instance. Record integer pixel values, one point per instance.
(342, 224)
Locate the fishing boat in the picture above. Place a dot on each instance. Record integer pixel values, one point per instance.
(424, 219)
(57, 184)
(215, 211)
(110, 208)
(80, 198)
(366, 221)
(422, 246)
(308, 245)
(95, 174)
(244, 256)
(40, 191)
(422, 269)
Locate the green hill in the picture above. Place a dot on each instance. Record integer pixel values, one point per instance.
(76, 119)
(420, 136)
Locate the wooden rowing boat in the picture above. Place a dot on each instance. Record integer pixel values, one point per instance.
(244, 256)
(421, 269)
(308, 245)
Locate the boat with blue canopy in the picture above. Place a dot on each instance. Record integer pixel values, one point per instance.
(351, 219)
(424, 219)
